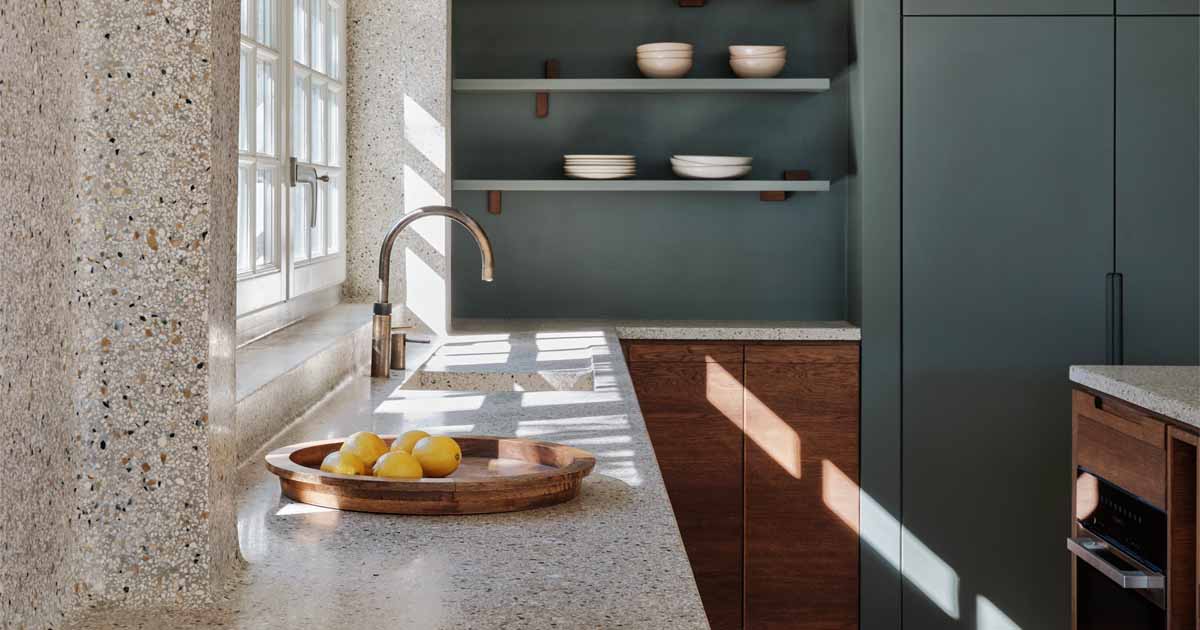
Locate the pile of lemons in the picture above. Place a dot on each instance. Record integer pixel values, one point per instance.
(414, 455)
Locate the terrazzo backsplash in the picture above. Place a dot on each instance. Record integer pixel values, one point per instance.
(398, 111)
(118, 167)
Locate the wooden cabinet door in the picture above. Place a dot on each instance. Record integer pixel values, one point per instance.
(802, 490)
(692, 403)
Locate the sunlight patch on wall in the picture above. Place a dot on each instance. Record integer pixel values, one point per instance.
(989, 617)
(425, 133)
(419, 193)
(425, 292)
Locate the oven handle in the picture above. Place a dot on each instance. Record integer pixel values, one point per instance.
(1085, 547)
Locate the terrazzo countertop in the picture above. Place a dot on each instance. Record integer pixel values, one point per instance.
(1170, 391)
(729, 330)
(612, 558)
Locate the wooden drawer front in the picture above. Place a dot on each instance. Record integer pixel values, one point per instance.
(1126, 452)
(685, 352)
(802, 353)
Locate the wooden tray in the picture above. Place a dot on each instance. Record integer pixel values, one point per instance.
(496, 475)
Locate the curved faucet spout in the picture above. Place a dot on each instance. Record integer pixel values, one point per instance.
(454, 214)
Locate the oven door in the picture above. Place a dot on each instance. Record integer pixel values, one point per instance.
(1114, 592)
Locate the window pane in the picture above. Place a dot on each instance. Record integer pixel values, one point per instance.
(247, 18)
(300, 223)
(245, 203)
(318, 231)
(300, 38)
(246, 97)
(334, 205)
(264, 218)
(318, 124)
(318, 36)
(335, 128)
(334, 26)
(266, 22)
(265, 108)
(300, 117)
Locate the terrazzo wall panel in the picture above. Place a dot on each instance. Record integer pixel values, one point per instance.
(39, 449)
(117, 335)
(397, 133)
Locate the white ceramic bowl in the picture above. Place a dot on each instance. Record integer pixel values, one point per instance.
(711, 172)
(670, 54)
(756, 51)
(757, 68)
(711, 160)
(665, 68)
(665, 46)
(778, 56)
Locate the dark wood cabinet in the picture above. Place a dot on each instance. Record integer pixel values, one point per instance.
(758, 446)
(692, 404)
(801, 561)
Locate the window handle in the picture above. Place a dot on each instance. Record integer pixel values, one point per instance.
(298, 174)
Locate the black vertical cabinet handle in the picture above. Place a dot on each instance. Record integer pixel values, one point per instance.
(1114, 319)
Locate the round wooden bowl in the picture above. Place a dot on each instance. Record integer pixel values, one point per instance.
(496, 475)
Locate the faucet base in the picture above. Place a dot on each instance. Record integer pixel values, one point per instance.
(381, 346)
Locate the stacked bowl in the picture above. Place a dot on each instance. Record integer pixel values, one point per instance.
(599, 166)
(665, 60)
(711, 166)
(757, 62)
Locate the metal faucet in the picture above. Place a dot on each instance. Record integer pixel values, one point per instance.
(381, 330)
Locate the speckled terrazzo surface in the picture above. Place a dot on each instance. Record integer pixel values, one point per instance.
(1171, 391)
(683, 330)
(610, 559)
(398, 109)
(117, 167)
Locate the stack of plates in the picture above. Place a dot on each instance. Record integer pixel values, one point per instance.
(711, 166)
(600, 166)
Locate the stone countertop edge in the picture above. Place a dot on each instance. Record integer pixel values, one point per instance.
(678, 330)
(1171, 391)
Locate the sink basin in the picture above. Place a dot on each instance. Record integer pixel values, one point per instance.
(508, 364)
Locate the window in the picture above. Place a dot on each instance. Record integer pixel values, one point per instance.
(292, 102)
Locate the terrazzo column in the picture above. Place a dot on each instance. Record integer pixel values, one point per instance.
(118, 168)
(398, 114)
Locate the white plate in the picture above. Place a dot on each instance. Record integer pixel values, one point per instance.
(711, 160)
(575, 172)
(599, 175)
(712, 172)
(599, 157)
(602, 162)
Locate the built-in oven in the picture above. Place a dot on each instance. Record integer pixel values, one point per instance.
(1120, 555)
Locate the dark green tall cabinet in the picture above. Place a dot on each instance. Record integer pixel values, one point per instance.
(1040, 155)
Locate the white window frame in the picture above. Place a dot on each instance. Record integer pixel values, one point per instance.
(290, 273)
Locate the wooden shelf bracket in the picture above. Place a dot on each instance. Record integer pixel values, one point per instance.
(691, 3)
(494, 202)
(779, 195)
(542, 107)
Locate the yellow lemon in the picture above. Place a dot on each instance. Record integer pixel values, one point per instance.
(343, 464)
(398, 465)
(439, 455)
(405, 442)
(366, 445)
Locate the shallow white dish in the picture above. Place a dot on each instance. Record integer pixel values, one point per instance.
(711, 160)
(574, 175)
(586, 156)
(756, 51)
(763, 68)
(711, 172)
(662, 46)
(665, 68)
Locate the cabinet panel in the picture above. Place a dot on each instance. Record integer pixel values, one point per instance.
(802, 496)
(1158, 199)
(685, 352)
(1008, 7)
(1158, 7)
(1006, 238)
(694, 412)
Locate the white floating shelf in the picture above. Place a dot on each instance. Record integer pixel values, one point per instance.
(641, 185)
(641, 85)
